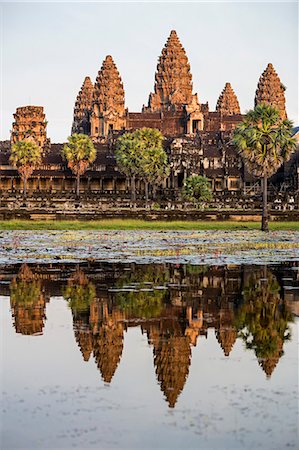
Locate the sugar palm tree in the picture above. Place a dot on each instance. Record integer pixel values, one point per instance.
(197, 189)
(25, 156)
(265, 142)
(79, 153)
(154, 165)
(128, 156)
(141, 154)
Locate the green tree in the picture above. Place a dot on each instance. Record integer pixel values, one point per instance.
(265, 142)
(79, 153)
(141, 153)
(25, 156)
(154, 162)
(263, 319)
(197, 189)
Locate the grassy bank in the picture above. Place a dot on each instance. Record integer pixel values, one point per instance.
(131, 224)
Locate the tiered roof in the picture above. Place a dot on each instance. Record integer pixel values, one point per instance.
(173, 79)
(109, 92)
(270, 90)
(227, 103)
(83, 105)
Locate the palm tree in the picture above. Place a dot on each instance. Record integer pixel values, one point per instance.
(154, 166)
(265, 142)
(128, 154)
(141, 154)
(197, 189)
(25, 156)
(79, 153)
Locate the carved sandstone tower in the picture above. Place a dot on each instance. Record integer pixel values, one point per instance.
(270, 90)
(83, 106)
(227, 103)
(108, 111)
(173, 84)
(30, 124)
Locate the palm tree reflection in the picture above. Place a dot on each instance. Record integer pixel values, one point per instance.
(27, 303)
(263, 319)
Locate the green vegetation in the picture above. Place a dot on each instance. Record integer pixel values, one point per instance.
(265, 142)
(141, 154)
(25, 156)
(142, 299)
(25, 292)
(263, 319)
(79, 154)
(140, 304)
(79, 293)
(197, 189)
(132, 224)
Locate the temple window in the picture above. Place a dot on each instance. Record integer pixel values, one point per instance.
(195, 126)
(233, 183)
(180, 179)
(218, 185)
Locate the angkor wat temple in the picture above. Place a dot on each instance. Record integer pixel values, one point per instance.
(197, 140)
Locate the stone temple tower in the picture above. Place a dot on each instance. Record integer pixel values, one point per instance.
(108, 110)
(227, 103)
(270, 90)
(30, 124)
(173, 88)
(82, 110)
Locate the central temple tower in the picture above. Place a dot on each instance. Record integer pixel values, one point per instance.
(173, 88)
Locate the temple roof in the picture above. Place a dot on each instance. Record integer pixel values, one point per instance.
(270, 90)
(109, 92)
(83, 105)
(84, 98)
(227, 103)
(173, 79)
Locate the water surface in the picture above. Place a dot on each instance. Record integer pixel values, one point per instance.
(102, 355)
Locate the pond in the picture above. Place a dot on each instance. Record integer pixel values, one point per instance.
(153, 355)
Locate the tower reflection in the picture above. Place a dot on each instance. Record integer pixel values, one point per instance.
(175, 306)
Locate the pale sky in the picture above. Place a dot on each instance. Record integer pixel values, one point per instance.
(48, 49)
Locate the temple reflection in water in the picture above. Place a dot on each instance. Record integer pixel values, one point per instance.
(174, 305)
